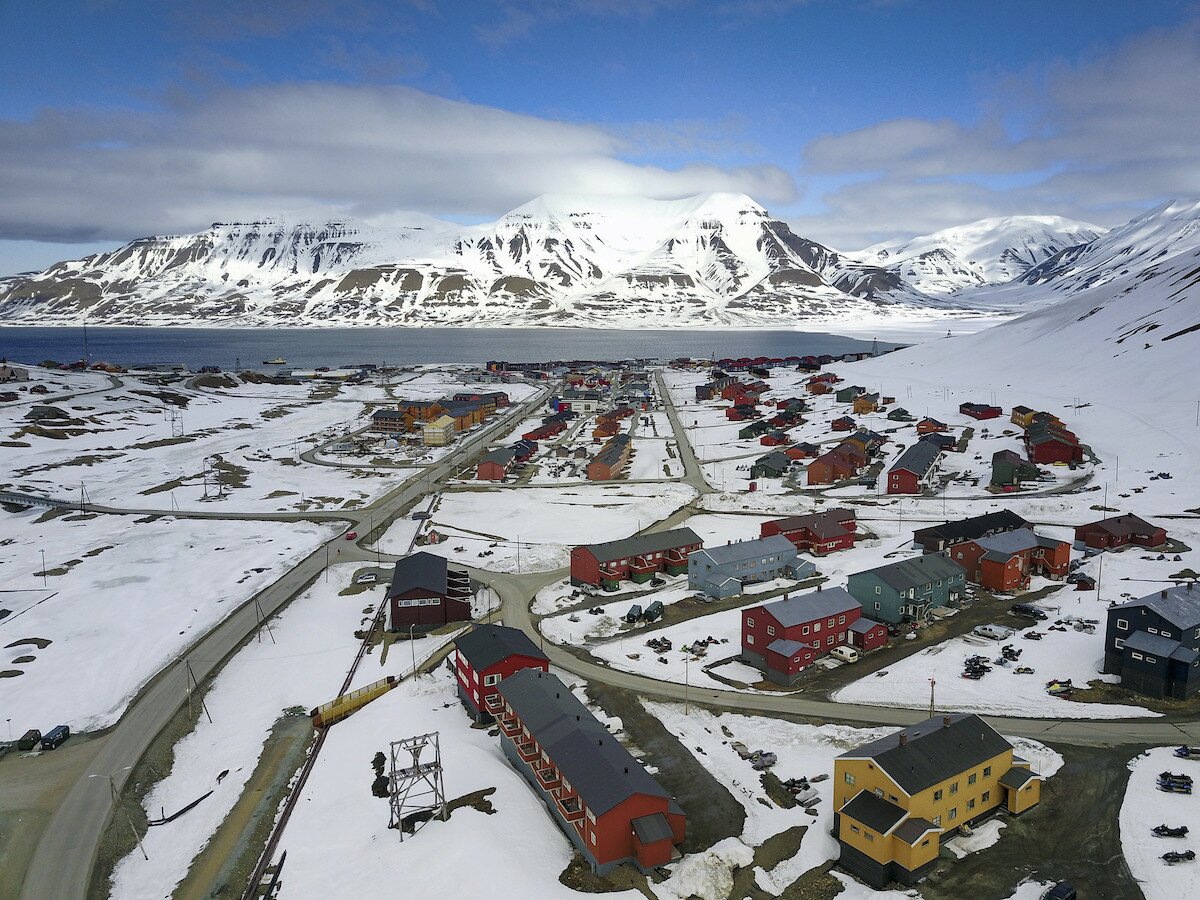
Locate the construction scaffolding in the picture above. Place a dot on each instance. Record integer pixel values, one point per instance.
(416, 791)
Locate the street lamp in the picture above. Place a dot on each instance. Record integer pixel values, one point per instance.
(44, 582)
(413, 648)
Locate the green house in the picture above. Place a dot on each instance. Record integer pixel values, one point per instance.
(900, 414)
(907, 590)
(848, 394)
(753, 430)
(1010, 468)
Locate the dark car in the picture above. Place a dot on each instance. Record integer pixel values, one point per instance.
(1064, 890)
(1028, 609)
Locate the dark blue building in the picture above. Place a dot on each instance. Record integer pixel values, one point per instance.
(1154, 643)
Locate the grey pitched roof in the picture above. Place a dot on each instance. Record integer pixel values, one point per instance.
(917, 571)
(643, 543)
(874, 812)
(1180, 606)
(919, 458)
(1151, 643)
(502, 457)
(1016, 778)
(784, 647)
(807, 607)
(862, 626)
(420, 570)
(913, 829)
(823, 524)
(1123, 525)
(972, 528)
(486, 645)
(1010, 542)
(602, 771)
(743, 550)
(933, 751)
(651, 828)
(1185, 654)
(775, 460)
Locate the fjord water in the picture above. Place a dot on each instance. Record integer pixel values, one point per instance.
(306, 347)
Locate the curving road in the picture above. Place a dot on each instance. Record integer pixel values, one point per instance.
(66, 853)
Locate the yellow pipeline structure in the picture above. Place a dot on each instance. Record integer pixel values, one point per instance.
(337, 709)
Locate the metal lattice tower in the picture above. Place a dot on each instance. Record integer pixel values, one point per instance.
(416, 791)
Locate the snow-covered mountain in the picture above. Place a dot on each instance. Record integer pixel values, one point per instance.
(990, 251)
(1119, 316)
(596, 261)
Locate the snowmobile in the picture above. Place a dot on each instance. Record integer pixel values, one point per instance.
(1171, 776)
(1176, 856)
(1174, 787)
(1023, 670)
(1186, 752)
(1168, 831)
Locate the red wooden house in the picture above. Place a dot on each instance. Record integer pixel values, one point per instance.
(774, 439)
(980, 410)
(845, 423)
(914, 470)
(803, 451)
(830, 467)
(1119, 531)
(1050, 443)
(929, 426)
(495, 465)
(425, 592)
(867, 635)
(741, 412)
(611, 460)
(485, 656)
(781, 638)
(545, 432)
(1006, 561)
(639, 558)
(606, 803)
(819, 533)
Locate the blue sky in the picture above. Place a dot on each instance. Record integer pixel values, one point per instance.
(854, 121)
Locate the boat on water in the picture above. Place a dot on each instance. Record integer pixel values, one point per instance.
(277, 361)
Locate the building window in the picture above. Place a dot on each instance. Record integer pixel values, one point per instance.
(593, 838)
(953, 814)
(1151, 659)
(849, 778)
(749, 639)
(749, 623)
(987, 795)
(937, 821)
(491, 679)
(937, 795)
(1123, 624)
(877, 604)
(868, 836)
(877, 589)
(591, 817)
(1135, 654)
(971, 804)
(816, 627)
(1118, 643)
(804, 630)
(1152, 630)
(841, 620)
(925, 843)
(987, 771)
(854, 828)
(971, 779)
(954, 788)
(771, 629)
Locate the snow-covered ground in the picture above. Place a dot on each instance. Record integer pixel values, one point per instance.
(548, 522)
(1059, 655)
(654, 459)
(1145, 807)
(120, 600)
(803, 751)
(517, 852)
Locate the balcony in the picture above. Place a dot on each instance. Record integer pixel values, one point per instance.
(571, 808)
(494, 704)
(639, 565)
(528, 751)
(549, 778)
(510, 726)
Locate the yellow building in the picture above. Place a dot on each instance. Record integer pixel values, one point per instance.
(866, 403)
(899, 797)
(439, 432)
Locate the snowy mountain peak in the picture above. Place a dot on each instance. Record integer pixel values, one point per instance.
(989, 251)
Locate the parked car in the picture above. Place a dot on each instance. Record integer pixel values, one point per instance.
(1028, 609)
(1064, 890)
(29, 739)
(351, 535)
(994, 632)
(422, 516)
(55, 737)
(845, 654)
(368, 578)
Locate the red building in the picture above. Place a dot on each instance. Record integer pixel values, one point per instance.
(741, 412)
(867, 635)
(1048, 441)
(425, 592)
(495, 466)
(819, 533)
(930, 426)
(980, 411)
(781, 638)
(803, 451)
(610, 462)
(774, 439)
(638, 558)
(1005, 562)
(914, 470)
(1119, 531)
(606, 803)
(485, 656)
(545, 432)
(845, 423)
(830, 467)
(498, 399)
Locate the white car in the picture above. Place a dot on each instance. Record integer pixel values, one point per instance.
(369, 578)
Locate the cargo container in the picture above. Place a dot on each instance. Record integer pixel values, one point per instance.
(55, 737)
(653, 612)
(29, 739)
(635, 613)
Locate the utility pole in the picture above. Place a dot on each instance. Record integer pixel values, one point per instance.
(262, 620)
(413, 647)
(932, 683)
(192, 683)
(44, 582)
(686, 708)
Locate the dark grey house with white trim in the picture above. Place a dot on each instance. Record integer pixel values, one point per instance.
(1154, 643)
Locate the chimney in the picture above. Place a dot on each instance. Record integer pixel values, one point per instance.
(599, 742)
(1164, 594)
(627, 770)
(903, 739)
(557, 695)
(946, 721)
(576, 717)
(818, 588)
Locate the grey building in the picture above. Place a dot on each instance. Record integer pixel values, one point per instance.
(907, 590)
(1154, 643)
(724, 571)
(937, 538)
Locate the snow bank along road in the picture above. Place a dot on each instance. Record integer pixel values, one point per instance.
(63, 861)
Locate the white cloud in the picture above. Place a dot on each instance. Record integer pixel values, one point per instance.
(320, 149)
(1099, 140)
